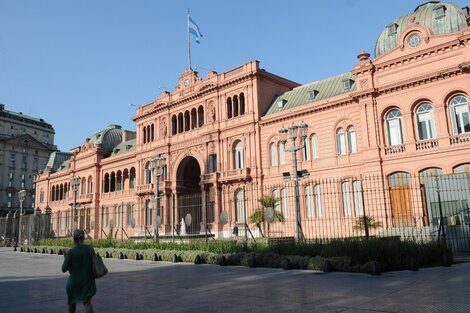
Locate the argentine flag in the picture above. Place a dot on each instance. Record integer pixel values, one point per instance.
(194, 29)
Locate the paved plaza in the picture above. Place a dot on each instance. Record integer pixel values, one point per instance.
(34, 283)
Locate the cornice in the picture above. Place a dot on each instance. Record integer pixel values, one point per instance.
(460, 69)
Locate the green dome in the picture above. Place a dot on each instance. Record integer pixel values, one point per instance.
(108, 138)
(440, 17)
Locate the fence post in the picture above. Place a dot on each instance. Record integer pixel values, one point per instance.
(441, 216)
(9, 229)
(47, 222)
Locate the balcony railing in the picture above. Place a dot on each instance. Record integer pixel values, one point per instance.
(395, 149)
(237, 174)
(427, 144)
(460, 139)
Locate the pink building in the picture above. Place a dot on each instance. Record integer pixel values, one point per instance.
(403, 114)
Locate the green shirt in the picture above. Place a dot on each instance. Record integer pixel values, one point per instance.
(81, 283)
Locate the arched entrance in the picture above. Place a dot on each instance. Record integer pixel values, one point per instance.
(188, 177)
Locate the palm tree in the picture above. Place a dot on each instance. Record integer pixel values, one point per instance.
(365, 223)
(259, 216)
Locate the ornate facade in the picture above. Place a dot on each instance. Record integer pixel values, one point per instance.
(405, 112)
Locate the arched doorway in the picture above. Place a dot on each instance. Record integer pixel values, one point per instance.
(188, 177)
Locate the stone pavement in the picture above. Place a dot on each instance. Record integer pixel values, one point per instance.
(34, 283)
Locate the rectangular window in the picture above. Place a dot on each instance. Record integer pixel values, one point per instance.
(282, 158)
(212, 163)
(305, 154)
(309, 200)
(9, 204)
(341, 143)
(352, 141)
(346, 199)
(392, 29)
(358, 198)
(285, 204)
(24, 162)
(314, 141)
(12, 160)
(273, 151)
(318, 201)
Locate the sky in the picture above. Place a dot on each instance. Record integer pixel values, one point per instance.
(79, 64)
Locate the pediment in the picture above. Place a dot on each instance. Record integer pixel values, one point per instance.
(27, 140)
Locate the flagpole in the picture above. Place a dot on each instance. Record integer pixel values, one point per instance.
(189, 47)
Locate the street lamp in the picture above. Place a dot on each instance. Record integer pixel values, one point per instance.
(293, 132)
(75, 182)
(156, 164)
(22, 196)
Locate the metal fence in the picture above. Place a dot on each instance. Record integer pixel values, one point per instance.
(426, 207)
(26, 229)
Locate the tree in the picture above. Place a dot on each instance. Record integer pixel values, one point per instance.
(365, 223)
(259, 216)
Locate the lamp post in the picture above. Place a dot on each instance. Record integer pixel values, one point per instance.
(293, 132)
(75, 182)
(156, 164)
(22, 197)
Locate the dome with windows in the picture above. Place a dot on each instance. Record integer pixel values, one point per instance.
(108, 138)
(440, 17)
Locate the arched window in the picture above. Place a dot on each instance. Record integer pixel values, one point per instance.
(394, 128)
(240, 205)
(340, 142)
(463, 168)
(119, 181)
(53, 193)
(152, 132)
(144, 134)
(106, 182)
(229, 107)
(352, 142)
(239, 155)
(193, 118)
(83, 186)
(285, 203)
(112, 182)
(132, 178)
(425, 121)
(186, 121)
(200, 116)
(90, 184)
(148, 133)
(180, 123)
(235, 106)
(314, 145)
(459, 114)
(242, 103)
(174, 127)
(282, 157)
(273, 151)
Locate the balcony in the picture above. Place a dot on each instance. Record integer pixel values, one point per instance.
(116, 194)
(241, 174)
(427, 144)
(460, 139)
(85, 198)
(395, 149)
(210, 178)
